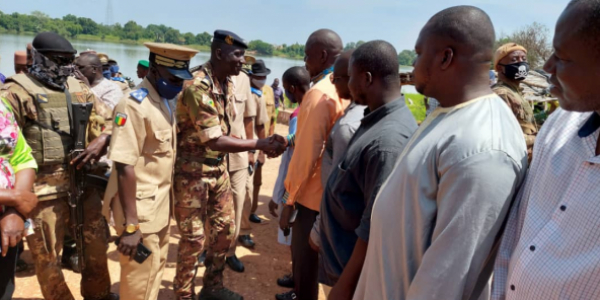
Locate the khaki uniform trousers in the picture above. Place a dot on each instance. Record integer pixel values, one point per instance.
(143, 281)
(240, 180)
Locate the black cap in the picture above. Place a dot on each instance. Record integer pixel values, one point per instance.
(229, 38)
(52, 42)
(260, 69)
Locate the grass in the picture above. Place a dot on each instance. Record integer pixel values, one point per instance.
(416, 106)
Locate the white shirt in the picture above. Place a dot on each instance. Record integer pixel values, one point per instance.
(108, 92)
(551, 246)
(438, 216)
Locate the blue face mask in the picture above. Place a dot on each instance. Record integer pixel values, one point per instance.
(290, 96)
(166, 90)
(106, 74)
(114, 69)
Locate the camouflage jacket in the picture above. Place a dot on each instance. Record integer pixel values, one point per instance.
(205, 110)
(520, 107)
(52, 181)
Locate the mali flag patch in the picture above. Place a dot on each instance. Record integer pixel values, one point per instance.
(120, 119)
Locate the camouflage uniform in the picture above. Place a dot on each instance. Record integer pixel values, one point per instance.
(203, 196)
(51, 216)
(521, 108)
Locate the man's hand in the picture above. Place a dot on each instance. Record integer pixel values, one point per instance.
(275, 147)
(80, 76)
(94, 151)
(12, 226)
(273, 208)
(25, 201)
(284, 221)
(128, 243)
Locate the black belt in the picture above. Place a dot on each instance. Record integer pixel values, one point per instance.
(212, 162)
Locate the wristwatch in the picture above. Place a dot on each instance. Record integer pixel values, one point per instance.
(132, 228)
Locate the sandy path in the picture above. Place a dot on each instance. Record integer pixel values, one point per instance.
(268, 261)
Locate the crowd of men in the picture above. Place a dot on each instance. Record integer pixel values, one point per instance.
(476, 202)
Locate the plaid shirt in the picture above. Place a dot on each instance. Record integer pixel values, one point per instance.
(551, 245)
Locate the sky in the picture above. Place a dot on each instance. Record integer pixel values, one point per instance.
(287, 22)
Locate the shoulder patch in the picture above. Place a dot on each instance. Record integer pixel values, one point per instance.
(139, 95)
(118, 79)
(120, 119)
(42, 98)
(205, 83)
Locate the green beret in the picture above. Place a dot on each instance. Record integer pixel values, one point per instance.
(144, 63)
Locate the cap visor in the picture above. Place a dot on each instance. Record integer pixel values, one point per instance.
(181, 73)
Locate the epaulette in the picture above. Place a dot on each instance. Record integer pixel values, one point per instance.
(118, 79)
(205, 83)
(139, 95)
(256, 91)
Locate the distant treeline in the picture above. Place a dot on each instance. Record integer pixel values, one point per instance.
(71, 26)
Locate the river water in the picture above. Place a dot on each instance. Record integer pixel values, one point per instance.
(128, 56)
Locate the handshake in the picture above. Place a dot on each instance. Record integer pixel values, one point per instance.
(273, 146)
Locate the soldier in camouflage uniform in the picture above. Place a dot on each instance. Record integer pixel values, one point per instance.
(40, 105)
(511, 63)
(203, 196)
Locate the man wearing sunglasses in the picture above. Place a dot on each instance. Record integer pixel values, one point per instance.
(40, 101)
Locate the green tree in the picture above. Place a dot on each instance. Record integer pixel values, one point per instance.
(407, 57)
(261, 47)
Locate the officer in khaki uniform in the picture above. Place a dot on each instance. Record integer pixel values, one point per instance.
(40, 101)
(238, 162)
(511, 63)
(143, 149)
(262, 121)
(203, 197)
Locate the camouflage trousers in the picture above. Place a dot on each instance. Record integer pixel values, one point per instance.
(51, 221)
(203, 207)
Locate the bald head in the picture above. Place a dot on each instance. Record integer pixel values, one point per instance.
(378, 58)
(322, 48)
(467, 29)
(90, 66)
(589, 27)
(296, 76)
(89, 58)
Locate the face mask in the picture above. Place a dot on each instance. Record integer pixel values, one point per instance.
(290, 96)
(49, 72)
(167, 90)
(259, 83)
(106, 74)
(114, 69)
(516, 71)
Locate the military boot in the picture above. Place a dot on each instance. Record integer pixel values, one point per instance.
(70, 260)
(219, 294)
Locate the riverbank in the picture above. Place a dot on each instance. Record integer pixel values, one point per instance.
(116, 40)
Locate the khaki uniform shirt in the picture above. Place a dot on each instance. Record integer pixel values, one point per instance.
(243, 96)
(269, 97)
(144, 136)
(521, 108)
(52, 182)
(204, 112)
(261, 115)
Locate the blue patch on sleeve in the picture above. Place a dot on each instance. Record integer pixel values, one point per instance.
(256, 91)
(139, 95)
(118, 79)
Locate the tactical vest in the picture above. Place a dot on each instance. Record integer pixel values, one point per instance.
(527, 127)
(48, 136)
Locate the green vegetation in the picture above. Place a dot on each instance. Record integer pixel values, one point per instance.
(416, 106)
(407, 57)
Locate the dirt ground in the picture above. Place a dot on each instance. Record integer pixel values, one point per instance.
(264, 264)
